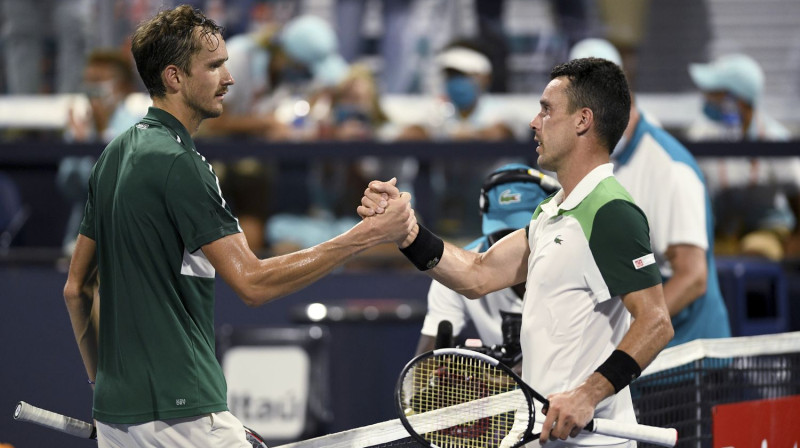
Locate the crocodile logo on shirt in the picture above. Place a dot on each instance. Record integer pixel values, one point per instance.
(558, 240)
(507, 197)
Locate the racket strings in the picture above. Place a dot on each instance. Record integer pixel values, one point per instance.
(445, 381)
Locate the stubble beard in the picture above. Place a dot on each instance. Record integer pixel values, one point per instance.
(203, 111)
(543, 161)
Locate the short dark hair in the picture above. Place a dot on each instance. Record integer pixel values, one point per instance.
(169, 38)
(601, 86)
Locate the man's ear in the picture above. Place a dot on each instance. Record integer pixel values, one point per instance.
(584, 122)
(173, 78)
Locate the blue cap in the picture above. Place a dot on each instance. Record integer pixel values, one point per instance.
(736, 73)
(312, 41)
(511, 204)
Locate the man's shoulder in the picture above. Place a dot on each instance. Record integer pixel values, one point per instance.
(147, 144)
(606, 191)
(156, 133)
(608, 199)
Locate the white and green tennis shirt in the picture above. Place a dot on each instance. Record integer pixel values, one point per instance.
(586, 252)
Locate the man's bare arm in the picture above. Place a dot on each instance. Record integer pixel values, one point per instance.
(474, 275)
(649, 333)
(689, 274)
(258, 281)
(468, 273)
(82, 300)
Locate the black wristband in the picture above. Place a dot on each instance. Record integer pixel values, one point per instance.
(620, 369)
(426, 250)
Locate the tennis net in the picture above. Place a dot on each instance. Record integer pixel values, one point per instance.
(683, 385)
(678, 390)
(390, 433)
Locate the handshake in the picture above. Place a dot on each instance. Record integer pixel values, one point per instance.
(388, 211)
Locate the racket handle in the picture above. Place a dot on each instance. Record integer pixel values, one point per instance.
(29, 413)
(651, 434)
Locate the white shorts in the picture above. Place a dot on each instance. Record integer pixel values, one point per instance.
(204, 431)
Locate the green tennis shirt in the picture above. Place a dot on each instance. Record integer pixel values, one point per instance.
(153, 203)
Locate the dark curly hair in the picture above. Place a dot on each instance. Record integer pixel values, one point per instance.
(601, 86)
(172, 37)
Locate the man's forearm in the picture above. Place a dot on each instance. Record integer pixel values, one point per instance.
(644, 340)
(689, 276)
(81, 294)
(84, 314)
(276, 277)
(681, 291)
(473, 274)
(649, 332)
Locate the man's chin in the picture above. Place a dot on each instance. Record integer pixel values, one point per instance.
(542, 163)
(212, 113)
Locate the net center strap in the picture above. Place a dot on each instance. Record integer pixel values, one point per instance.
(467, 412)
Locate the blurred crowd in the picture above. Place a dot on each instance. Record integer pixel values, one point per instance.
(307, 71)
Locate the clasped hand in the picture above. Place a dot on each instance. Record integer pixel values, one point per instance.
(382, 197)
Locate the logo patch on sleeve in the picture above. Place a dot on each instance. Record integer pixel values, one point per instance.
(643, 261)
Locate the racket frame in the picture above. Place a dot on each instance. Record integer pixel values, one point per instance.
(526, 390)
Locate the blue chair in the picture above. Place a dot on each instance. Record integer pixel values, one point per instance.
(756, 294)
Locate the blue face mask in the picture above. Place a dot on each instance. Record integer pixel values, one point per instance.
(724, 112)
(462, 91)
(347, 112)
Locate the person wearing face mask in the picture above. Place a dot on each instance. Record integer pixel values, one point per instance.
(667, 184)
(732, 87)
(465, 113)
(467, 75)
(108, 81)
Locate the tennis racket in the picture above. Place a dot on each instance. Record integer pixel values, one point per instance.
(28, 413)
(462, 399)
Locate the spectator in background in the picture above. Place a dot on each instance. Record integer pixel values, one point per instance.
(108, 82)
(464, 114)
(508, 199)
(667, 184)
(356, 112)
(467, 75)
(27, 27)
(767, 226)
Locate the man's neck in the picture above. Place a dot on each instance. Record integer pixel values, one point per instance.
(570, 177)
(188, 118)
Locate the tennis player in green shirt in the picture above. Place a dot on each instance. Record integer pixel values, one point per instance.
(156, 229)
